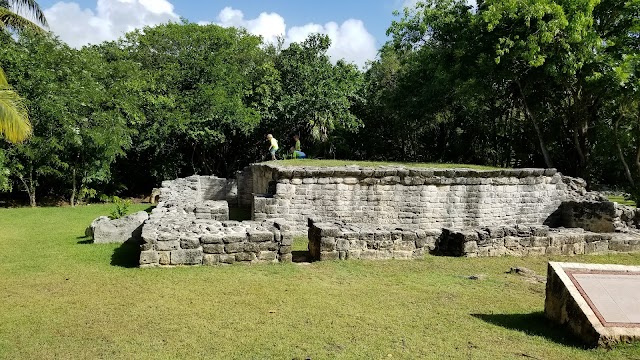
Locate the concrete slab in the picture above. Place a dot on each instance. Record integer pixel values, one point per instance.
(597, 302)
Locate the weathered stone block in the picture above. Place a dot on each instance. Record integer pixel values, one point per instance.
(252, 247)
(211, 239)
(213, 248)
(260, 236)
(168, 245)
(470, 247)
(227, 258)
(234, 237)
(596, 247)
(210, 259)
(329, 255)
(187, 257)
(164, 257)
(245, 256)
(285, 250)
(267, 256)
(285, 258)
(149, 257)
(190, 242)
(233, 248)
(268, 246)
(327, 244)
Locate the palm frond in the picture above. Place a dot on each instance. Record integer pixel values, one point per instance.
(28, 9)
(14, 119)
(9, 19)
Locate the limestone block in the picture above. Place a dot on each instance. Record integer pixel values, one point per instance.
(596, 247)
(189, 242)
(268, 246)
(245, 256)
(127, 228)
(213, 248)
(167, 245)
(149, 257)
(211, 239)
(227, 258)
(285, 258)
(234, 237)
(164, 257)
(470, 247)
(233, 248)
(266, 256)
(187, 257)
(260, 236)
(327, 244)
(210, 259)
(329, 255)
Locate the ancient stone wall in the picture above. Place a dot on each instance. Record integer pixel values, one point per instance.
(430, 198)
(196, 189)
(340, 240)
(175, 236)
(599, 216)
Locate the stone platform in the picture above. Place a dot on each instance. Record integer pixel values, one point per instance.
(341, 240)
(598, 303)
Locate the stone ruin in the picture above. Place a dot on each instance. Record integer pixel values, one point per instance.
(353, 212)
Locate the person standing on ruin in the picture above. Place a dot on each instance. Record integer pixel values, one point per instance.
(296, 150)
(273, 146)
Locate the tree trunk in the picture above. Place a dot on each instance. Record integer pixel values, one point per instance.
(627, 171)
(543, 146)
(29, 187)
(73, 189)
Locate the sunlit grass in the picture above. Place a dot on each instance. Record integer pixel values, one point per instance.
(622, 200)
(64, 299)
(313, 162)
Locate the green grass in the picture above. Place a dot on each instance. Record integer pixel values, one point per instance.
(622, 200)
(62, 298)
(312, 162)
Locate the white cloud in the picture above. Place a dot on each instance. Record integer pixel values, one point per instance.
(110, 20)
(113, 18)
(350, 40)
(267, 25)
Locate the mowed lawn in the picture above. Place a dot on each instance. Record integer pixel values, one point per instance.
(65, 299)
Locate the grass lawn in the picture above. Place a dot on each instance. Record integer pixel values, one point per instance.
(313, 162)
(63, 298)
(622, 200)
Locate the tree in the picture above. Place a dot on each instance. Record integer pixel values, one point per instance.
(317, 96)
(76, 134)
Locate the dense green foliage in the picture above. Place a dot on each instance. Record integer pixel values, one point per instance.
(510, 83)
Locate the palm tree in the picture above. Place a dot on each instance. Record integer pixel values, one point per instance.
(18, 15)
(14, 16)
(14, 120)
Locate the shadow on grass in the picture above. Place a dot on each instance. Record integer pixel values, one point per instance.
(302, 256)
(127, 255)
(535, 324)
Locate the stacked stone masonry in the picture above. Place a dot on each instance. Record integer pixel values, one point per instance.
(383, 213)
(429, 198)
(184, 240)
(339, 240)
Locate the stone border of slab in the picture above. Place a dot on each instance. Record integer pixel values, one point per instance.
(566, 305)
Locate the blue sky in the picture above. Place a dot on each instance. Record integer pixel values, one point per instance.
(357, 27)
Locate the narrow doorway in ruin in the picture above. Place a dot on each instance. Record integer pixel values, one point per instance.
(300, 250)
